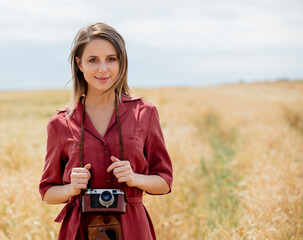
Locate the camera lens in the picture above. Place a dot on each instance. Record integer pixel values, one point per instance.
(106, 198)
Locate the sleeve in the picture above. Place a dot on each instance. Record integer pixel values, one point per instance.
(53, 169)
(155, 151)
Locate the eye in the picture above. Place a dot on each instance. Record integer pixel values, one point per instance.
(111, 59)
(93, 60)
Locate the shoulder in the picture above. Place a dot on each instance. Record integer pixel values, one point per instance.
(59, 117)
(143, 110)
(137, 101)
(61, 113)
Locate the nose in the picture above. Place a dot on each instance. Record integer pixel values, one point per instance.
(102, 67)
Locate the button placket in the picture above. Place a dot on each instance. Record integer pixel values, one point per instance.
(108, 176)
(105, 146)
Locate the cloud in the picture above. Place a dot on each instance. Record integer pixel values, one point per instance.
(175, 42)
(35, 20)
(197, 25)
(219, 26)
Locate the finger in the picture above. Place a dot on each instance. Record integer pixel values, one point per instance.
(85, 169)
(115, 165)
(114, 159)
(122, 179)
(81, 181)
(76, 170)
(88, 166)
(121, 169)
(80, 170)
(123, 174)
(80, 175)
(112, 166)
(84, 175)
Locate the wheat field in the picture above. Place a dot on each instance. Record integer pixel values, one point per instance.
(237, 153)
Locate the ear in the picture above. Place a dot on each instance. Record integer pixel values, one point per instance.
(79, 63)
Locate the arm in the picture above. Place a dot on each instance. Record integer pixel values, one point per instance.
(152, 184)
(51, 187)
(160, 175)
(58, 194)
(62, 193)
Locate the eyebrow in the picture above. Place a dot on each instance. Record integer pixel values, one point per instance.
(110, 55)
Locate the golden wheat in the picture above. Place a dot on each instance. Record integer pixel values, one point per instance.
(236, 151)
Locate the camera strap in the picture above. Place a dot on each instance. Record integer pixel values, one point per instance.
(120, 140)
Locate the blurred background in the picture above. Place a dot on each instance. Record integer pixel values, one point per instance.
(236, 148)
(169, 43)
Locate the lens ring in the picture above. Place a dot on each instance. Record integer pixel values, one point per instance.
(106, 198)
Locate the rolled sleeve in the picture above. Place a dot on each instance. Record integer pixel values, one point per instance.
(52, 173)
(155, 151)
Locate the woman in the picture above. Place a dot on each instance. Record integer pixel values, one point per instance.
(113, 124)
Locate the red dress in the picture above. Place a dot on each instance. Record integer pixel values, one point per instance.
(143, 145)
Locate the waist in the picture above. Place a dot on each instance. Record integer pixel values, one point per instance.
(134, 199)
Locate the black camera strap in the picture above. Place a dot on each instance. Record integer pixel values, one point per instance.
(120, 140)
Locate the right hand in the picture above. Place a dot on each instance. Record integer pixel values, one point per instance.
(79, 179)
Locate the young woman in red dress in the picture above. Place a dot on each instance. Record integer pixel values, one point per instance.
(101, 101)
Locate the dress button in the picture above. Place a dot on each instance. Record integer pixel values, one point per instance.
(105, 151)
(107, 180)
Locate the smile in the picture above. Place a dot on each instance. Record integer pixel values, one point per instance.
(102, 79)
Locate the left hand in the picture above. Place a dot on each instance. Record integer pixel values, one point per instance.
(123, 171)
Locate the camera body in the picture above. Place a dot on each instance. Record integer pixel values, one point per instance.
(106, 201)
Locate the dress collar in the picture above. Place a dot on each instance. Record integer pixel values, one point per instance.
(77, 116)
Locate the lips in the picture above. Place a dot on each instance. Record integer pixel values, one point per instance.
(102, 79)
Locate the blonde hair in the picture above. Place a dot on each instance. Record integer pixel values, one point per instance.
(83, 37)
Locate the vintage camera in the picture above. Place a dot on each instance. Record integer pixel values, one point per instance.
(106, 201)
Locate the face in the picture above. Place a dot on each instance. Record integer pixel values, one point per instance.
(100, 65)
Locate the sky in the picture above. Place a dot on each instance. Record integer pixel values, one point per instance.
(169, 43)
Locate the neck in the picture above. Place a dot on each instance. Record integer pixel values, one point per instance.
(100, 100)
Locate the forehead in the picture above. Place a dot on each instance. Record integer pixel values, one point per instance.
(99, 47)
